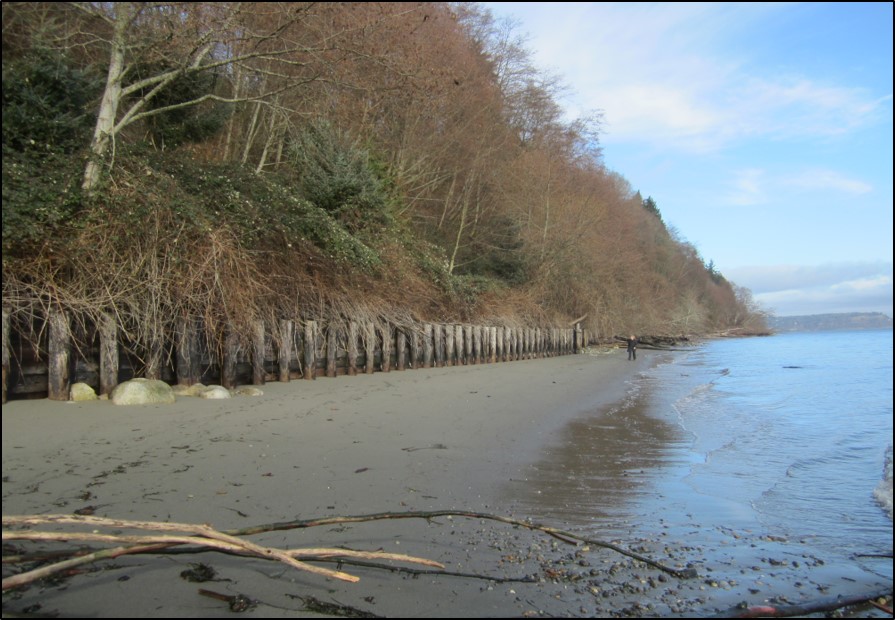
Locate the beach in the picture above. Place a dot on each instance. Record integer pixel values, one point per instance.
(440, 439)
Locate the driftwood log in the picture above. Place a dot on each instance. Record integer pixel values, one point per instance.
(170, 535)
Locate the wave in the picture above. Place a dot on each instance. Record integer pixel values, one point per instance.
(883, 491)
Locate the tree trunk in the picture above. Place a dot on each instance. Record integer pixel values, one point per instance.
(104, 132)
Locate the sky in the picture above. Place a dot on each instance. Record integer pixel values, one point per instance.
(763, 131)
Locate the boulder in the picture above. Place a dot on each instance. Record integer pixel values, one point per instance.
(143, 392)
(81, 392)
(188, 390)
(214, 391)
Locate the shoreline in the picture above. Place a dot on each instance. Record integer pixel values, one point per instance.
(422, 440)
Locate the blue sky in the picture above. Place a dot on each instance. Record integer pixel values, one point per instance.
(762, 131)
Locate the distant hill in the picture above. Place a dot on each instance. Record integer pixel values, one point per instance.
(825, 322)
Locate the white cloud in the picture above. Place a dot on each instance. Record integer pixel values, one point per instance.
(828, 179)
(814, 289)
(748, 188)
(666, 76)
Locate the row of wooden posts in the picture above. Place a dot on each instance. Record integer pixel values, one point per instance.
(291, 349)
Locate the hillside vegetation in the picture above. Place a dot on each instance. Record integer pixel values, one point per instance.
(236, 161)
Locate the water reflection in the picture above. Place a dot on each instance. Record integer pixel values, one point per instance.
(601, 465)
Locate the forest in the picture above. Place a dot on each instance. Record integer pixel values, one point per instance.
(243, 161)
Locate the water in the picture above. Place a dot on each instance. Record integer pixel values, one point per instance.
(784, 437)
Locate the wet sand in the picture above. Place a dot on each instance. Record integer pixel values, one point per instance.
(424, 440)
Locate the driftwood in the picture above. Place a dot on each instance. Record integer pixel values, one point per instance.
(175, 534)
(230, 541)
(812, 607)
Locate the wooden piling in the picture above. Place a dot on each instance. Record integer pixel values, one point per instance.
(259, 349)
(332, 348)
(187, 359)
(387, 340)
(230, 356)
(309, 372)
(352, 348)
(5, 353)
(438, 344)
(108, 354)
(414, 348)
(370, 347)
(427, 345)
(59, 360)
(285, 351)
(448, 345)
(401, 357)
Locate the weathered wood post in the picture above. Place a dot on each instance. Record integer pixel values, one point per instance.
(108, 353)
(332, 348)
(228, 363)
(469, 343)
(187, 359)
(258, 351)
(388, 337)
(458, 344)
(476, 344)
(401, 358)
(500, 352)
(352, 348)
(285, 350)
(492, 346)
(414, 347)
(5, 352)
(427, 346)
(310, 356)
(370, 347)
(448, 345)
(58, 363)
(438, 344)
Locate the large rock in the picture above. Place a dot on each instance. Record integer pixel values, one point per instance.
(81, 392)
(214, 391)
(143, 392)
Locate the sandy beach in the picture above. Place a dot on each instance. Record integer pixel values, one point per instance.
(422, 440)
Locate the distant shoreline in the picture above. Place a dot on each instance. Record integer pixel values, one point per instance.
(845, 321)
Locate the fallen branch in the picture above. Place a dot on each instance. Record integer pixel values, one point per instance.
(566, 537)
(205, 536)
(229, 541)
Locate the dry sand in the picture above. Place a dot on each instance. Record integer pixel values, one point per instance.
(422, 440)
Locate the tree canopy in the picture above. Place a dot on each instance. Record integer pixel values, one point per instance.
(242, 160)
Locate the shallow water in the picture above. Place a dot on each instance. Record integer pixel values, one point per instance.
(785, 438)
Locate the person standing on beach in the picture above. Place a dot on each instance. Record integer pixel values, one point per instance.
(632, 347)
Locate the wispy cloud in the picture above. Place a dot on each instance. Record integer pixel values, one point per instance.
(667, 77)
(809, 289)
(747, 188)
(819, 179)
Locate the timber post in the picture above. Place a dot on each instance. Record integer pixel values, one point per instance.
(284, 354)
(259, 350)
(401, 358)
(370, 347)
(352, 348)
(58, 364)
(187, 360)
(108, 354)
(427, 346)
(5, 352)
(229, 357)
(387, 339)
(310, 356)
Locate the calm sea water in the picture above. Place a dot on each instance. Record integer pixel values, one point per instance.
(787, 436)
